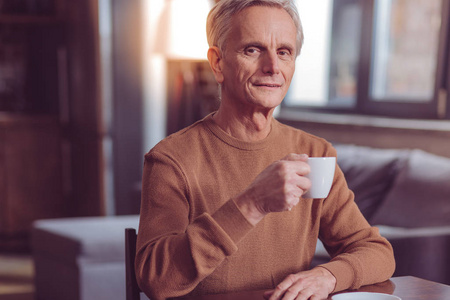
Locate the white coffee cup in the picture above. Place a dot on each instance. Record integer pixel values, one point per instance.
(364, 296)
(321, 176)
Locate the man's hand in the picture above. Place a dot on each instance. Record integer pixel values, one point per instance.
(315, 284)
(278, 188)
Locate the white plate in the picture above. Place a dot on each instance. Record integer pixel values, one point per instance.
(364, 296)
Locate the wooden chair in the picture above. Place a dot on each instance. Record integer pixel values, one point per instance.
(132, 289)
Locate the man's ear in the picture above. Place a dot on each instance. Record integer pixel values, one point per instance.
(215, 61)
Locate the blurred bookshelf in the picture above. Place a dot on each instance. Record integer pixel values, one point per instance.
(31, 36)
(32, 94)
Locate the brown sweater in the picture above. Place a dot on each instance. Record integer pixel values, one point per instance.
(193, 238)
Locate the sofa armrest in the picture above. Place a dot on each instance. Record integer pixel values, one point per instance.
(420, 252)
(391, 232)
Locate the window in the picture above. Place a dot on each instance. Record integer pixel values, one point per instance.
(380, 57)
(406, 39)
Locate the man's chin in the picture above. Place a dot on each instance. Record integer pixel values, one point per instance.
(269, 101)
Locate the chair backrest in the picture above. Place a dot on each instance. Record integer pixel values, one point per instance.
(132, 289)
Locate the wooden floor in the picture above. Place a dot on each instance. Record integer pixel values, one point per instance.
(16, 277)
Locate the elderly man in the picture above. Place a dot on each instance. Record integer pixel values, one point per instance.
(222, 207)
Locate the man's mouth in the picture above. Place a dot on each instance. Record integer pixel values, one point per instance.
(270, 85)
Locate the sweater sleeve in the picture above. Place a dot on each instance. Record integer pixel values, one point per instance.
(360, 256)
(175, 253)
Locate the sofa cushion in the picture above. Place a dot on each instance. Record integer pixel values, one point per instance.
(420, 196)
(87, 238)
(369, 173)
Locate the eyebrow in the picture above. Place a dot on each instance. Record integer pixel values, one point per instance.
(288, 46)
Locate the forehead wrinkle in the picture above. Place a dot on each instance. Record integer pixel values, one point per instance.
(265, 29)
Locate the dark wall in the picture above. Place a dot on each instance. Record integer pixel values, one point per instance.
(84, 134)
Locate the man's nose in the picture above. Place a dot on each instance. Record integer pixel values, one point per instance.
(270, 63)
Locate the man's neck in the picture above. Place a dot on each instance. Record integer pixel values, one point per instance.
(250, 126)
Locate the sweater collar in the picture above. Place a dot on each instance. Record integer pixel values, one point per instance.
(237, 143)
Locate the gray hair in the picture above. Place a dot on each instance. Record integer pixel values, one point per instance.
(218, 24)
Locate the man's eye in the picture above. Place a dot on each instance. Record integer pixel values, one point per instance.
(285, 54)
(251, 51)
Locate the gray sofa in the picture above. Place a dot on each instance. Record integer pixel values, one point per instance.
(80, 258)
(405, 193)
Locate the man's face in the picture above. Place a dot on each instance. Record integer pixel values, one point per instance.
(259, 57)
